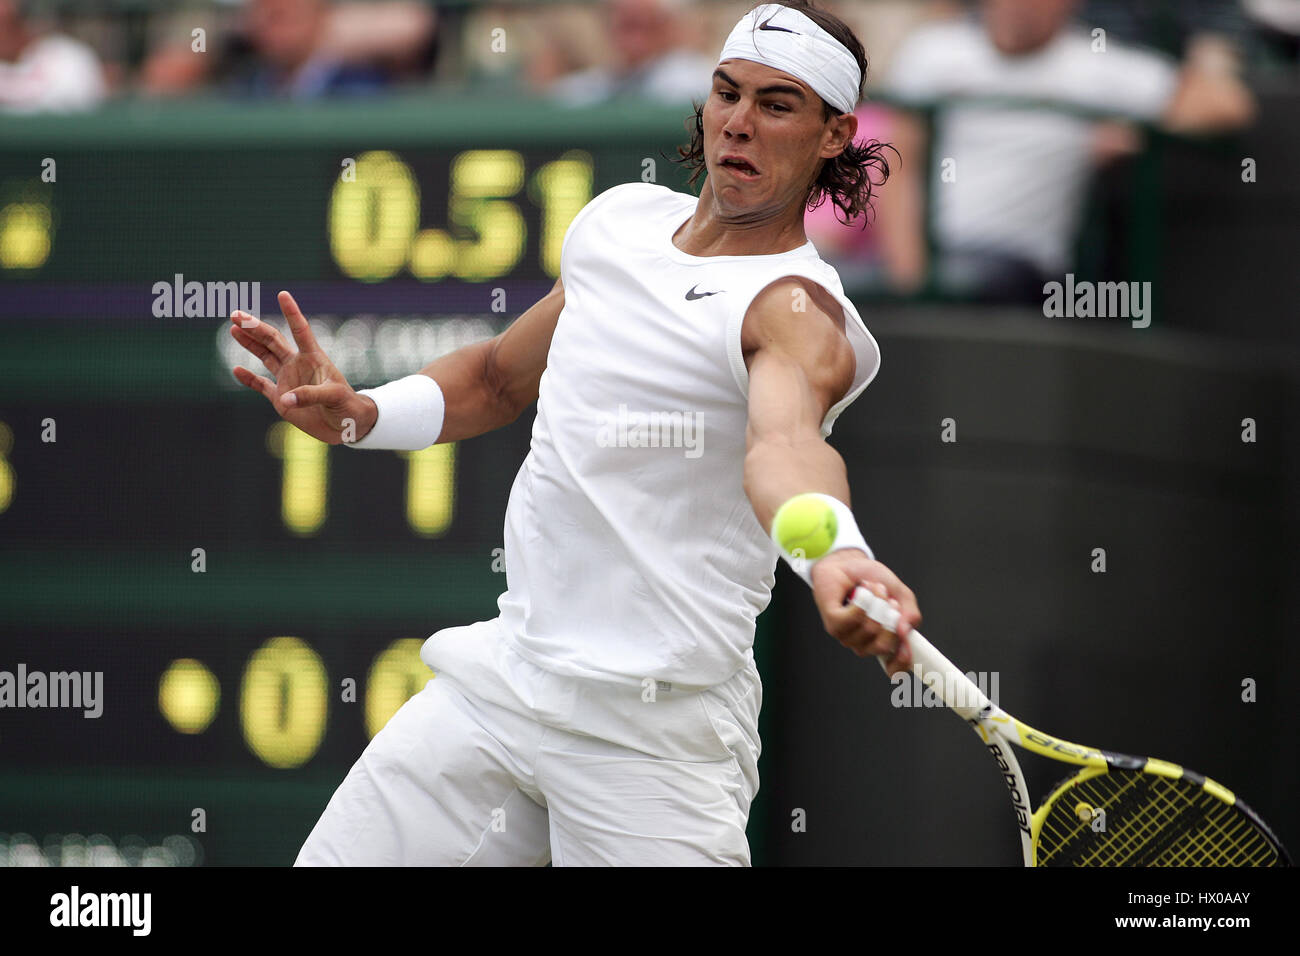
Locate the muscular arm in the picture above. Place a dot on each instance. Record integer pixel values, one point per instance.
(800, 364)
(488, 384)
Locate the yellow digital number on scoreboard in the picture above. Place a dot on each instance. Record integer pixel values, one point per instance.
(396, 675)
(304, 481)
(561, 188)
(284, 696)
(430, 489)
(374, 213)
(373, 217)
(26, 233)
(6, 470)
(283, 702)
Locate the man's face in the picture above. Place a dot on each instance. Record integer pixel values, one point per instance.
(772, 121)
(285, 31)
(1022, 26)
(10, 29)
(640, 30)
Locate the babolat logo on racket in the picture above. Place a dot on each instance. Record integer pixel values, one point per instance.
(1009, 775)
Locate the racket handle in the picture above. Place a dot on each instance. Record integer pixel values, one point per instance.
(929, 665)
(877, 608)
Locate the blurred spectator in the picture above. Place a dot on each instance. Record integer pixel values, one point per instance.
(44, 70)
(1007, 184)
(287, 56)
(649, 59)
(1278, 25)
(399, 37)
(1168, 25)
(303, 49)
(853, 250)
(555, 51)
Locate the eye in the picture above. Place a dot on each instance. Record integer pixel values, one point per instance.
(781, 107)
(726, 93)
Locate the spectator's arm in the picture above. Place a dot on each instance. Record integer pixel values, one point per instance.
(1210, 97)
(173, 71)
(900, 213)
(393, 31)
(173, 67)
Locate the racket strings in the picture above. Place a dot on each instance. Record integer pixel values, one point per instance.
(1149, 820)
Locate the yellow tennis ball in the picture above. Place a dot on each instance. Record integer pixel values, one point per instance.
(805, 527)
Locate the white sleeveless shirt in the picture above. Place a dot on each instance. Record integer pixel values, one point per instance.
(631, 548)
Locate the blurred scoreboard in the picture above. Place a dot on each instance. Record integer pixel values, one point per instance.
(252, 600)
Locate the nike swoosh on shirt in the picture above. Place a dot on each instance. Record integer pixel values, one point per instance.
(692, 295)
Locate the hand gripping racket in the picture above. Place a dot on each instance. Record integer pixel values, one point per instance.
(1115, 810)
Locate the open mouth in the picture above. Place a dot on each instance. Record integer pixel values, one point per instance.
(739, 166)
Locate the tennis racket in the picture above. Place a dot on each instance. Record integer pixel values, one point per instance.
(1115, 810)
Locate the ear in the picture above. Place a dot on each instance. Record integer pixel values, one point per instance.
(840, 131)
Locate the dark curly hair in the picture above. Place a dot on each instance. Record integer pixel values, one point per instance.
(850, 179)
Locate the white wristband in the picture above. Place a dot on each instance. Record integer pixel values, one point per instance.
(411, 412)
(847, 535)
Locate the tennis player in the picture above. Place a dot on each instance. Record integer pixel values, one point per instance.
(688, 367)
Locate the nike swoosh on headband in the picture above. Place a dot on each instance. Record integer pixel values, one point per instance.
(764, 26)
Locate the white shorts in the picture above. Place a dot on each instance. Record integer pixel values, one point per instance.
(498, 762)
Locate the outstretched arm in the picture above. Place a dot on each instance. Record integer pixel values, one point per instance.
(800, 364)
(484, 386)
(489, 384)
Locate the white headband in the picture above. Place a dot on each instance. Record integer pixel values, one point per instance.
(785, 39)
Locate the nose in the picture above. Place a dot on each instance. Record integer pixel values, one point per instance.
(740, 122)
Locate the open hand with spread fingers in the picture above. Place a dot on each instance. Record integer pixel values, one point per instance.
(308, 391)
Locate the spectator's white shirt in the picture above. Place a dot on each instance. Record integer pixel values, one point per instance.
(673, 79)
(54, 72)
(1018, 176)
